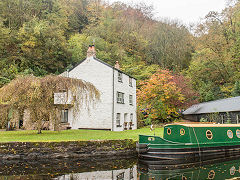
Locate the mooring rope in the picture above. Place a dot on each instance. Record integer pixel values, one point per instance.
(199, 150)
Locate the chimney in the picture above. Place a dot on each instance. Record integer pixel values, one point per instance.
(117, 65)
(91, 52)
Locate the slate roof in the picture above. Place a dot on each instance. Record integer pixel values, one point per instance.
(104, 64)
(222, 105)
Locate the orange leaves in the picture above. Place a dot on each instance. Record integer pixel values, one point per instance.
(161, 95)
(159, 84)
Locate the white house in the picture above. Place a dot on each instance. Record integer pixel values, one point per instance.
(128, 174)
(116, 110)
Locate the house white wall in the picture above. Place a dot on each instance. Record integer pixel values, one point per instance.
(128, 174)
(124, 109)
(99, 116)
(104, 113)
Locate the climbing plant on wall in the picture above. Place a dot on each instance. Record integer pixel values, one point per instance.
(37, 95)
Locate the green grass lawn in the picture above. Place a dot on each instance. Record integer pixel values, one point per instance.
(74, 135)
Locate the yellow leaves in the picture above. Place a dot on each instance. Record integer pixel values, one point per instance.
(31, 43)
(167, 97)
(161, 95)
(227, 89)
(181, 98)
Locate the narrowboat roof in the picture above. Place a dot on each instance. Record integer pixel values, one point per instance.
(207, 125)
(221, 105)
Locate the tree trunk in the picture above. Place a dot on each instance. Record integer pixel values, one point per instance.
(39, 131)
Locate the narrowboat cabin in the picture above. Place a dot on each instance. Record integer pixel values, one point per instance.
(191, 141)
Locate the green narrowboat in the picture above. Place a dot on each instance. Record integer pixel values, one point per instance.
(219, 170)
(191, 141)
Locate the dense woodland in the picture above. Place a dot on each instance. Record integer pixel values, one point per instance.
(41, 37)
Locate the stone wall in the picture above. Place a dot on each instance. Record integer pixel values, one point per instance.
(74, 149)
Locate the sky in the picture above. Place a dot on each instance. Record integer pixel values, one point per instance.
(188, 11)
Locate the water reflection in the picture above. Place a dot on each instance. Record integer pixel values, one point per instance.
(120, 174)
(117, 169)
(70, 169)
(218, 169)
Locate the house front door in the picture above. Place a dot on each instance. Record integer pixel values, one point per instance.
(125, 121)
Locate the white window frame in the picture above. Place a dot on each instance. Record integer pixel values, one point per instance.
(64, 116)
(130, 82)
(130, 99)
(118, 119)
(131, 117)
(120, 97)
(120, 77)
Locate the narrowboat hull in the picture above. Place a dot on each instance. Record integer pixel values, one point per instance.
(191, 153)
(191, 142)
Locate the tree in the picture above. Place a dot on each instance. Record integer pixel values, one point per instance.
(42, 46)
(161, 97)
(37, 95)
(184, 85)
(236, 89)
(214, 69)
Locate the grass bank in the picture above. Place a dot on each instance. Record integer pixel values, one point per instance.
(74, 135)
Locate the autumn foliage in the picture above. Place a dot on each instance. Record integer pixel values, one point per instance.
(161, 96)
(37, 95)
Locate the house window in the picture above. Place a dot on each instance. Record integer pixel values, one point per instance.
(120, 77)
(131, 117)
(64, 116)
(130, 82)
(131, 173)
(118, 120)
(130, 100)
(120, 97)
(120, 176)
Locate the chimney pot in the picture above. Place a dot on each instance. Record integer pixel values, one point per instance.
(91, 52)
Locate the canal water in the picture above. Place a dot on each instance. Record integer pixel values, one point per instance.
(119, 169)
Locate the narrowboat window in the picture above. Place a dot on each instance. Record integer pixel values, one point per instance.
(151, 139)
(209, 134)
(184, 178)
(182, 132)
(211, 174)
(238, 133)
(230, 134)
(232, 170)
(169, 131)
